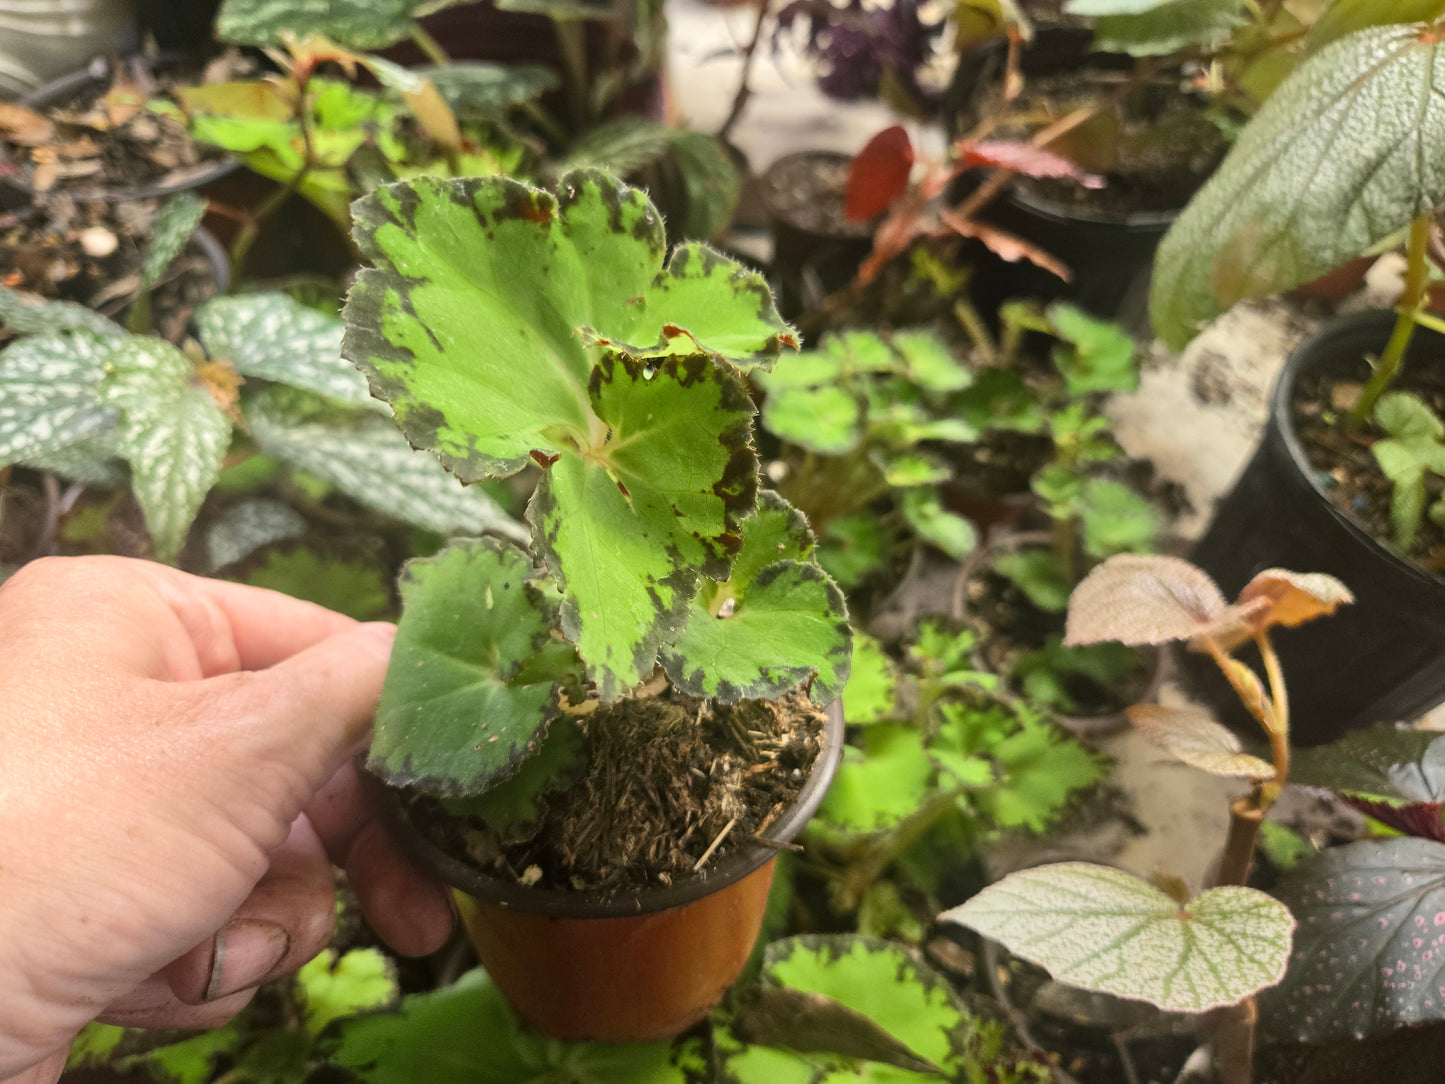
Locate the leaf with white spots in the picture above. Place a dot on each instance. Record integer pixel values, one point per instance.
(174, 436)
(247, 527)
(175, 223)
(275, 337)
(50, 394)
(30, 314)
(1369, 956)
(363, 455)
(1197, 740)
(1105, 930)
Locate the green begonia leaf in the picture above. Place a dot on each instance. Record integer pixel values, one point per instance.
(475, 87)
(1384, 763)
(29, 314)
(929, 363)
(626, 535)
(363, 455)
(878, 783)
(1105, 930)
(354, 588)
(871, 694)
(173, 435)
(333, 988)
(175, 223)
(514, 807)
(776, 622)
(481, 280)
(915, 469)
(827, 419)
(359, 24)
(1099, 356)
(475, 675)
(1371, 940)
(710, 184)
(1038, 574)
(467, 1034)
(1166, 27)
(50, 394)
(1347, 16)
(274, 337)
(1338, 159)
(1116, 519)
(619, 146)
(953, 534)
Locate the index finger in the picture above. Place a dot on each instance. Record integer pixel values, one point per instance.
(238, 627)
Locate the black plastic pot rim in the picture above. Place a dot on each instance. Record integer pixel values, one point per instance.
(555, 903)
(1281, 415)
(1065, 214)
(65, 86)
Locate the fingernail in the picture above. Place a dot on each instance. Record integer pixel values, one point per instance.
(246, 952)
(381, 634)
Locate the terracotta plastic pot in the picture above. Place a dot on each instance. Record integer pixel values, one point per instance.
(1379, 660)
(641, 965)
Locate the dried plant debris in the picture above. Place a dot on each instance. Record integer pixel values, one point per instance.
(672, 785)
(106, 137)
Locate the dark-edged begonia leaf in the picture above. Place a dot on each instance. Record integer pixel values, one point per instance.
(627, 529)
(776, 622)
(1369, 954)
(514, 807)
(475, 675)
(1386, 763)
(481, 319)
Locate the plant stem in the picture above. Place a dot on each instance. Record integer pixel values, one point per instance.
(430, 46)
(572, 40)
(246, 236)
(977, 330)
(740, 100)
(1412, 301)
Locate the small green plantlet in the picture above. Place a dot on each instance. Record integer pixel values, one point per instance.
(937, 746)
(509, 327)
(1222, 946)
(1412, 452)
(80, 395)
(857, 415)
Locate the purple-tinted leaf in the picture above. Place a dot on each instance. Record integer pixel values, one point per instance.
(1419, 819)
(1369, 950)
(1146, 599)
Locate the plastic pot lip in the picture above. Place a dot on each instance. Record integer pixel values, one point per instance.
(1320, 347)
(852, 233)
(552, 903)
(65, 86)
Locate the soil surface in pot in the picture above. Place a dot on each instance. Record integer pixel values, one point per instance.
(92, 253)
(106, 137)
(807, 192)
(1345, 466)
(1151, 142)
(669, 781)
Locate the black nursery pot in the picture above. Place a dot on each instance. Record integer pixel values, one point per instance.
(1110, 254)
(1380, 659)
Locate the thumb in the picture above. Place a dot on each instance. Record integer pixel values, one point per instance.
(308, 712)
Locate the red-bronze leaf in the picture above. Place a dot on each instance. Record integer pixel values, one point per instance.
(1023, 158)
(879, 175)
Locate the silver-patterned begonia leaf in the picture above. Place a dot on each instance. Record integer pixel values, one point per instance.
(1105, 930)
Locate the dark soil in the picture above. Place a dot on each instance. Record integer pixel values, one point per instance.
(1346, 469)
(807, 193)
(668, 777)
(105, 138)
(91, 253)
(1164, 145)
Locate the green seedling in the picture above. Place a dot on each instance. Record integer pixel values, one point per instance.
(1411, 453)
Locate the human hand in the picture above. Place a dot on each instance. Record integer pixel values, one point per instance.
(177, 782)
